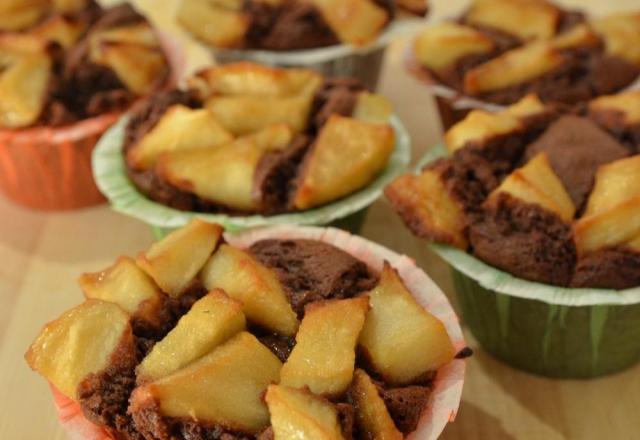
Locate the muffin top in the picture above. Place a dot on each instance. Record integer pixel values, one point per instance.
(244, 138)
(72, 60)
(198, 339)
(548, 196)
(501, 50)
(281, 25)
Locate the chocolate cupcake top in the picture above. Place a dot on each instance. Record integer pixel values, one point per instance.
(547, 196)
(502, 50)
(198, 339)
(281, 25)
(73, 60)
(245, 139)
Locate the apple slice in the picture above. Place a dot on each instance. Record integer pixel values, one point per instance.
(580, 35)
(84, 340)
(180, 128)
(372, 108)
(479, 126)
(326, 175)
(537, 183)
(324, 356)
(125, 284)
(441, 46)
(174, 261)
(225, 388)
(417, 7)
(61, 29)
(356, 22)
(372, 417)
(427, 207)
(615, 183)
(211, 321)
(67, 6)
(251, 79)
(522, 18)
(212, 24)
(624, 105)
(243, 278)
(528, 106)
(401, 339)
(617, 31)
(301, 415)
(513, 67)
(16, 15)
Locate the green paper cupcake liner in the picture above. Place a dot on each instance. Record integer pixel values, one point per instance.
(548, 330)
(109, 171)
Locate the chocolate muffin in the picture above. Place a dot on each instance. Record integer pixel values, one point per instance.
(285, 25)
(246, 139)
(262, 347)
(544, 195)
(75, 61)
(502, 50)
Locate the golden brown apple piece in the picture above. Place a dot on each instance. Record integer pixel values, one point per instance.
(356, 22)
(612, 216)
(529, 105)
(401, 339)
(372, 417)
(225, 387)
(16, 15)
(580, 35)
(372, 108)
(617, 31)
(513, 67)
(479, 126)
(134, 54)
(61, 29)
(537, 183)
(428, 208)
(243, 278)
(83, 341)
(625, 106)
(298, 414)
(180, 128)
(223, 175)
(66, 6)
(417, 7)
(221, 24)
(442, 45)
(324, 356)
(174, 261)
(250, 79)
(327, 176)
(125, 284)
(211, 321)
(526, 19)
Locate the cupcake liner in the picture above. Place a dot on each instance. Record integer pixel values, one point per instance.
(49, 168)
(110, 173)
(364, 63)
(549, 330)
(453, 105)
(447, 392)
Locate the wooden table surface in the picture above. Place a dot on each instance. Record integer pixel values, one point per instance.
(42, 255)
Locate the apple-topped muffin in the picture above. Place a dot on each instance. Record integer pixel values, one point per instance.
(245, 139)
(199, 339)
(545, 196)
(281, 25)
(501, 50)
(64, 61)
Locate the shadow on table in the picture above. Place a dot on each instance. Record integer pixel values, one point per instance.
(473, 423)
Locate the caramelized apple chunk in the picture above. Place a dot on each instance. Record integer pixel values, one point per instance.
(327, 176)
(479, 126)
(180, 128)
(612, 216)
(324, 356)
(427, 207)
(125, 284)
(83, 341)
(16, 15)
(213, 23)
(372, 417)
(617, 31)
(442, 45)
(537, 183)
(225, 388)
(401, 339)
(211, 321)
(301, 415)
(372, 108)
(243, 278)
(625, 106)
(174, 261)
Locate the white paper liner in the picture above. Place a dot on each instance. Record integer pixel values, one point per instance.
(109, 171)
(447, 392)
(457, 99)
(503, 282)
(308, 57)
